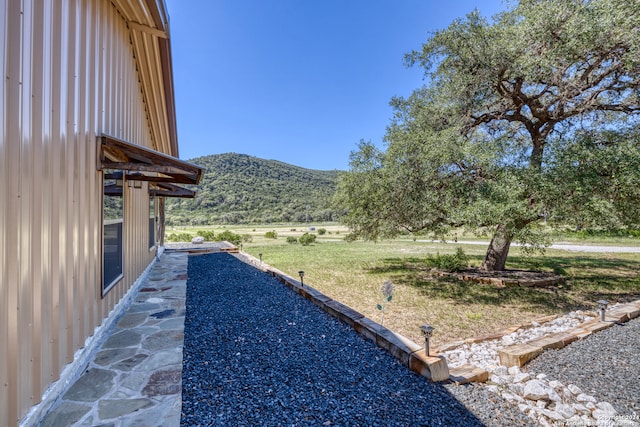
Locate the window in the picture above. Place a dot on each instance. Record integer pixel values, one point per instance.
(152, 222)
(112, 236)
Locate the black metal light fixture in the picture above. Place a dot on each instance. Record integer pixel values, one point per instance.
(260, 255)
(427, 330)
(301, 273)
(602, 305)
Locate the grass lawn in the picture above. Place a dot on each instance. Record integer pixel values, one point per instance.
(353, 273)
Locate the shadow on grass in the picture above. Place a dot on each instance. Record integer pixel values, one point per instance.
(587, 280)
(564, 265)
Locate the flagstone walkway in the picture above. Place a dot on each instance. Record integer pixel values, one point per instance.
(135, 377)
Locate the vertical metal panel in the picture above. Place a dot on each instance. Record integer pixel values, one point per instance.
(38, 174)
(12, 138)
(4, 213)
(25, 171)
(69, 75)
(55, 313)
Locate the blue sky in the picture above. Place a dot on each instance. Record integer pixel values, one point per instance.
(300, 81)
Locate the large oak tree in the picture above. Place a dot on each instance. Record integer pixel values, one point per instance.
(531, 116)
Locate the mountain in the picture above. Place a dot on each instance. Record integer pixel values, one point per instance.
(241, 189)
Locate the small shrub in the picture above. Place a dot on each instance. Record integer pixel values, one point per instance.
(306, 239)
(207, 234)
(230, 237)
(589, 233)
(273, 234)
(322, 231)
(247, 238)
(450, 262)
(350, 238)
(180, 237)
(292, 240)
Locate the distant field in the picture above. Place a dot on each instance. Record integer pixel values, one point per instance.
(353, 274)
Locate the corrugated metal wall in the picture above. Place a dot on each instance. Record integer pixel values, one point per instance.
(69, 75)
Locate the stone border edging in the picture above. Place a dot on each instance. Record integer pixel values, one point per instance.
(406, 351)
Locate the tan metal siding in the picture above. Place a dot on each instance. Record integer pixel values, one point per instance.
(69, 75)
(4, 213)
(145, 43)
(146, 24)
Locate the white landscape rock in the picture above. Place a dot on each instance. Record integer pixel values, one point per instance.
(499, 380)
(552, 415)
(574, 389)
(198, 240)
(585, 398)
(567, 411)
(604, 410)
(545, 400)
(536, 390)
(554, 396)
(517, 388)
(556, 385)
(582, 410)
(514, 370)
(521, 377)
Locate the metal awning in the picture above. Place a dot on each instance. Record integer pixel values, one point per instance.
(170, 190)
(143, 164)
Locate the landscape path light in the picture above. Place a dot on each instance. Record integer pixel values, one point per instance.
(260, 255)
(427, 330)
(602, 305)
(301, 273)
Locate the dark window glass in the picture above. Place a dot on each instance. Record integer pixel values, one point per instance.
(152, 222)
(112, 237)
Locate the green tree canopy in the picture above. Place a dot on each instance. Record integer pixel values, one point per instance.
(533, 115)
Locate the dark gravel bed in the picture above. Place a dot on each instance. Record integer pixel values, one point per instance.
(257, 354)
(605, 365)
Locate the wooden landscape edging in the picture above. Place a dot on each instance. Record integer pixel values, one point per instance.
(402, 348)
(500, 281)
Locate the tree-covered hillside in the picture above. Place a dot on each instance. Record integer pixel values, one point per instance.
(237, 189)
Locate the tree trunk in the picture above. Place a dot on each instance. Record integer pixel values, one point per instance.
(498, 249)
